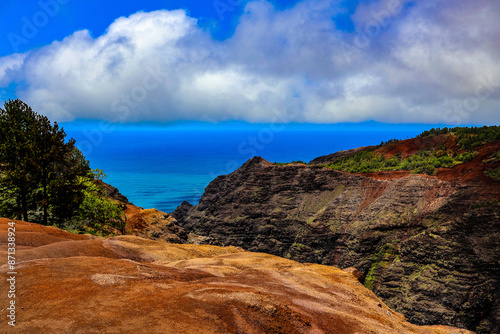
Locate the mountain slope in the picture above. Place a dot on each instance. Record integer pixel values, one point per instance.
(428, 245)
(77, 284)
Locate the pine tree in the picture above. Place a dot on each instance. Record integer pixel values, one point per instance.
(38, 167)
(17, 158)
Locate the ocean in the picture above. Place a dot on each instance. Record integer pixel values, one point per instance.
(162, 165)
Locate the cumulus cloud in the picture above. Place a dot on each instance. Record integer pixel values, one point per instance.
(425, 61)
(9, 66)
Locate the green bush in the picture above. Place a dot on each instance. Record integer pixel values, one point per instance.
(475, 136)
(494, 174)
(425, 169)
(423, 162)
(98, 214)
(288, 163)
(468, 137)
(437, 131)
(467, 156)
(484, 204)
(447, 161)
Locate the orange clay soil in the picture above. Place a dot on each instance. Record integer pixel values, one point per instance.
(74, 284)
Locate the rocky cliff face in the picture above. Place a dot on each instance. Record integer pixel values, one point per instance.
(113, 193)
(150, 223)
(428, 246)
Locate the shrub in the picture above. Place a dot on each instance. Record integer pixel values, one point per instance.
(426, 169)
(467, 156)
(98, 214)
(494, 174)
(468, 137)
(482, 204)
(288, 163)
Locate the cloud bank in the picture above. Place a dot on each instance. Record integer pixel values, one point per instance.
(404, 62)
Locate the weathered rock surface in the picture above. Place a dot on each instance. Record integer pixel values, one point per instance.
(422, 243)
(156, 225)
(113, 193)
(74, 284)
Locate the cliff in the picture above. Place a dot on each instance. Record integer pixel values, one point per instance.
(429, 246)
(150, 223)
(69, 283)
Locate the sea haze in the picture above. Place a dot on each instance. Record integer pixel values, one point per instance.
(160, 166)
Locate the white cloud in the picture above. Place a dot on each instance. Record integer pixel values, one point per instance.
(433, 61)
(9, 66)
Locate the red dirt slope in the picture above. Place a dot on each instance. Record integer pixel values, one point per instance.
(72, 284)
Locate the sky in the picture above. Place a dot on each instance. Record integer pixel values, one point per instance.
(310, 61)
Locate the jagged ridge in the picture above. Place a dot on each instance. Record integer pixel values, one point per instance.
(428, 245)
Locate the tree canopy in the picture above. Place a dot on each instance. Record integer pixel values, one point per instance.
(45, 178)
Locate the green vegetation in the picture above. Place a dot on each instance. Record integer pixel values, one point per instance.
(380, 260)
(98, 214)
(423, 162)
(492, 158)
(472, 137)
(371, 278)
(298, 246)
(468, 137)
(484, 204)
(390, 141)
(288, 163)
(46, 179)
(494, 174)
(437, 131)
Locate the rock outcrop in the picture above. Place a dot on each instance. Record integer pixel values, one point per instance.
(155, 225)
(77, 284)
(113, 193)
(429, 246)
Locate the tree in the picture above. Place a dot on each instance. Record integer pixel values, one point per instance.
(54, 165)
(97, 212)
(66, 190)
(46, 178)
(38, 167)
(17, 156)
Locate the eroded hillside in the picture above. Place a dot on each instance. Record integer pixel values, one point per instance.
(70, 283)
(428, 245)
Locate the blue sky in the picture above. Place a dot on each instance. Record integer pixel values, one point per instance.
(96, 16)
(311, 61)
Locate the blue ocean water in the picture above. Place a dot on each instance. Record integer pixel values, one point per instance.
(162, 165)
